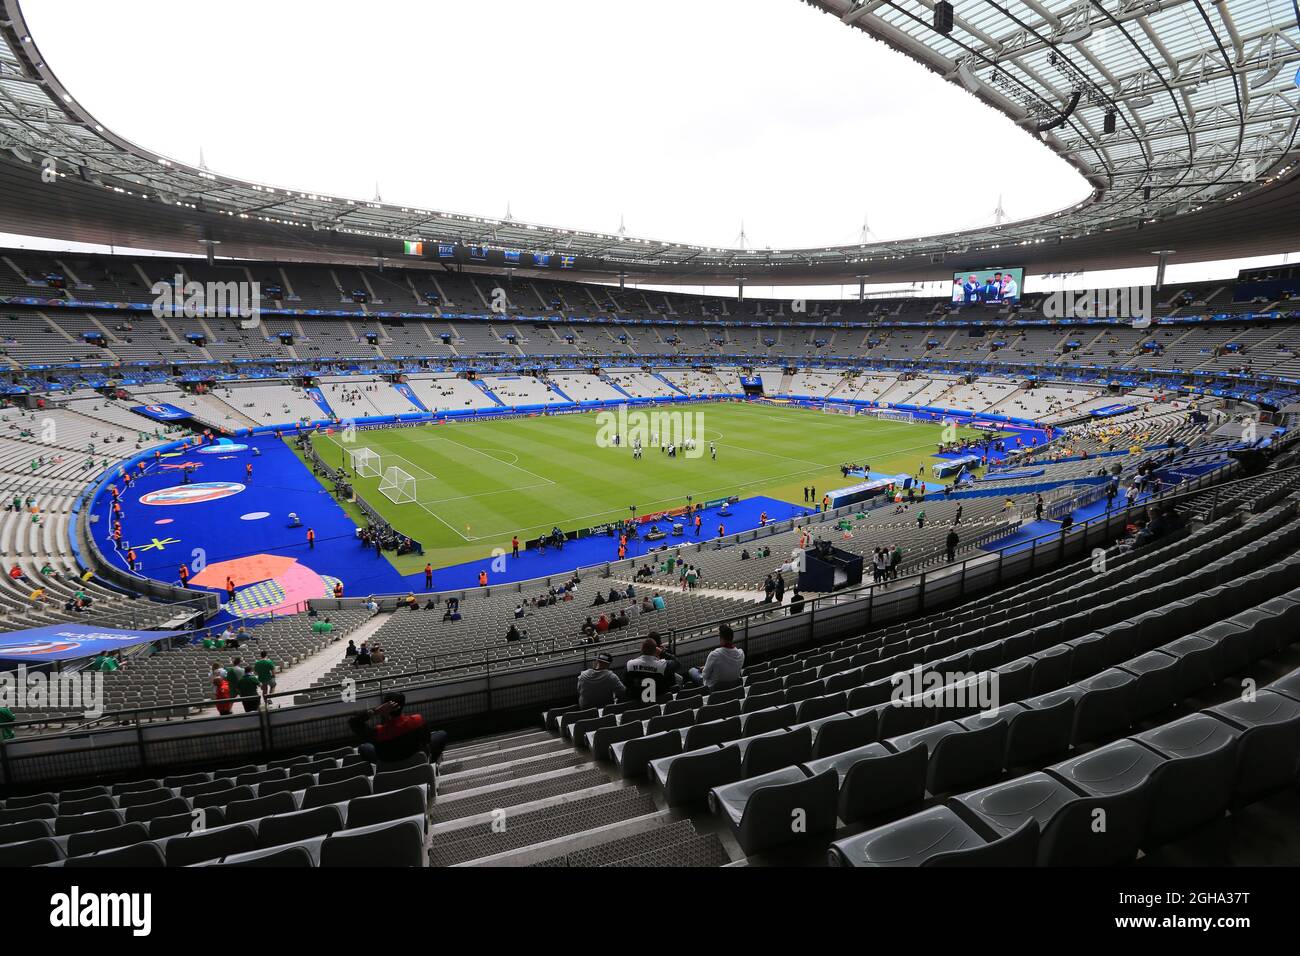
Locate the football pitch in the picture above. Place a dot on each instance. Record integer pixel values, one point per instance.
(475, 484)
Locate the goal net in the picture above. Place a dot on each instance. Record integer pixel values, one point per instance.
(833, 408)
(365, 462)
(397, 486)
(888, 414)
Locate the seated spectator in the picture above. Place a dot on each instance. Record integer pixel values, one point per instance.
(653, 660)
(396, 735)
(723, 666)
(659, 601)
(363, 656)
(796, 602)
(588, 628)
(352, 649)
(519, 611)
(377, 656)
(598, 685)
(602, 625)
(512, 634)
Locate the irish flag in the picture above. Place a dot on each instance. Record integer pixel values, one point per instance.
(413, 248)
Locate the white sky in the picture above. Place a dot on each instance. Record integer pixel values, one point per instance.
(684, 117)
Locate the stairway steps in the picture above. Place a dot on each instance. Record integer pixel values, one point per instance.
(539, 826)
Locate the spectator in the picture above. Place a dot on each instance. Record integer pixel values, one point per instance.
(322, 626)
(512, 634)
(378, 655)
(264, 667)
(363, 656)
(598, 685)
(659, 601)
(6, 717)
(234, 671)
(723, 666)
(397, 735)
(247, 688)
(796, 602)
(105, 662)
(950, 544)
(602, 625)
(654, 660)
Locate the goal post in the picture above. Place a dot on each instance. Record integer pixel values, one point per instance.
(888, 414)
(397, 486)
(365, 462)
(836, 408)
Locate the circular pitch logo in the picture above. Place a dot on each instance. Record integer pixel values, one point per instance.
(222, 449)
(192, 494)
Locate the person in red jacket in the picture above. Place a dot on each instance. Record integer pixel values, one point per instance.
(397, 735)
(184, 574)
(311, 538)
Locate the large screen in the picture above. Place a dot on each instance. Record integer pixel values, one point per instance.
(987, 286)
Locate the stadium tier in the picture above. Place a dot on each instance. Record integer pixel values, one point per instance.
(345, 532)
(471, 509)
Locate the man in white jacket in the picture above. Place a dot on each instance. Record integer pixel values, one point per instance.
(724, 664)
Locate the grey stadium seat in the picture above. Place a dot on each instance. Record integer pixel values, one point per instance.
(777, 808)
(394, 844)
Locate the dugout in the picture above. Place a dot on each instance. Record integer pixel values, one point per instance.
(828, 568)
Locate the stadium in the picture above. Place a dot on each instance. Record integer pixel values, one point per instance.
(346, 533)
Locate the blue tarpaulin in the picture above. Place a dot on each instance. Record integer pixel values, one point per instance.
(161, 413)
(71, 640)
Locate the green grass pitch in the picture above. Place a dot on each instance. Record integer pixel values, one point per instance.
(478, 483)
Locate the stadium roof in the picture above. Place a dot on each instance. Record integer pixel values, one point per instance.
(1202, 159)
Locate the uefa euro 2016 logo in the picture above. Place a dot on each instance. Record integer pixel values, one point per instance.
(679, 434)
(179, 299)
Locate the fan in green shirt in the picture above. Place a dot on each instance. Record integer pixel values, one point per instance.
(6, 717)
(248, 684)
(104, 663)
(265, 668)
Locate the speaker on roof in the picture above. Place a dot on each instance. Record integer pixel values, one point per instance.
(1109, 124)
(943, 17)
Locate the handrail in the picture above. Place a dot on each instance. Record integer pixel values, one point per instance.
(739, 623)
